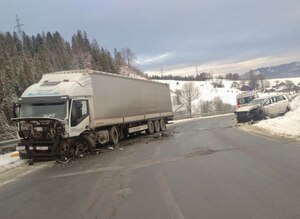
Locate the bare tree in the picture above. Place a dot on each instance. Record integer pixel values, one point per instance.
(129, 56)
(277, 83)
(189, 93)
(234, 84)
(252, 79)
(289, 85)
(178, 96)
(206, 107)
(267, 84)
(218, 104)
(261, 79)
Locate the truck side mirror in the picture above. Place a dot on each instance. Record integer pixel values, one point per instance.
(16, 110)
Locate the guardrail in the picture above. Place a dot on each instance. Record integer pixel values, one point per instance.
(9, 143)
(187, 116)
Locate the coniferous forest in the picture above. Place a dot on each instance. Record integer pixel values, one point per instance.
(23, 61)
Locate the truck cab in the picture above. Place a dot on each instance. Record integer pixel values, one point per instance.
(55, 108)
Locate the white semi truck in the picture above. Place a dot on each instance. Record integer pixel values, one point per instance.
(69, 112)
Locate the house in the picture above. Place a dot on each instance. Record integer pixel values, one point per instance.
(246, 88)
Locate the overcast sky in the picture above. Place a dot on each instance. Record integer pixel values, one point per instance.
(218, 36)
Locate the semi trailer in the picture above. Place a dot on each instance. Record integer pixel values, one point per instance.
(68, 113)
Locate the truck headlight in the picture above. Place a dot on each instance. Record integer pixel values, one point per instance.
(25, 127)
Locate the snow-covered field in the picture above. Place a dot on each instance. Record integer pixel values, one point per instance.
(287, 125)
(206, 90)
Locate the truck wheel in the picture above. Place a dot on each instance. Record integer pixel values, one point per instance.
(162, 125)
(89, 141)
(150, 129)
(114, 135)
(156, 126)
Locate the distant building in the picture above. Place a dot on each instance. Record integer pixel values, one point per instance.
(246, 88)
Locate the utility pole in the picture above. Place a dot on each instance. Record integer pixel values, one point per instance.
(18, 27)
(161, 72)
(197, 70)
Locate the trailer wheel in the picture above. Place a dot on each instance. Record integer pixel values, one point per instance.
(162, 125)
(114, 135)
(156, 126)
(150, 129)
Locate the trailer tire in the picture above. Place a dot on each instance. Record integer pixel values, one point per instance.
(114, 135)
(156, 126)
(162, 125)
(150, 129)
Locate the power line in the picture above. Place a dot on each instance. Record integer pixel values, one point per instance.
(18, 27)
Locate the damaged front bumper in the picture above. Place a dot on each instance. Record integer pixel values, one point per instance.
(38, 150)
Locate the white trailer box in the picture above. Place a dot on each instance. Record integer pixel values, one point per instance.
(121, 99)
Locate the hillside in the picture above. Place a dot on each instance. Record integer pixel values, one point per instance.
(23, 62)
(289, 70)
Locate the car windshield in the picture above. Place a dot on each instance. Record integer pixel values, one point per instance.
(46, 110)
(256, 101)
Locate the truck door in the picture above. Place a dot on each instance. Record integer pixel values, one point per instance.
(79, 117)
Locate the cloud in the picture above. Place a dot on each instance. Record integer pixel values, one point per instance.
(173, 34)
(142, 61)
(237, 66)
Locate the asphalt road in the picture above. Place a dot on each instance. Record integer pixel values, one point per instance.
(200, 169)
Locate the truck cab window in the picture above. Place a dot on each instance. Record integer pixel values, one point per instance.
(79, 111)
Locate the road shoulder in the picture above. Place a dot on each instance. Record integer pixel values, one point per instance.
(264, 132)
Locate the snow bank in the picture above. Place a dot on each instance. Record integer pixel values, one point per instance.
(288, 125)
(10, 160)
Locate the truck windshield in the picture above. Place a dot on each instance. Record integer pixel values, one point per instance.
(46, 110)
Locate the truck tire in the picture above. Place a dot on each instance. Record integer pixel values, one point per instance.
(88, 140)
(156, 126)
(162, 125)
(114, 135)
(150, 129)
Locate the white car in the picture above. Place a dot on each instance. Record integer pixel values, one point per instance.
(261, 108)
